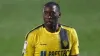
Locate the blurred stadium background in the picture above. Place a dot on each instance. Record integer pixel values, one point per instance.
(17, 17)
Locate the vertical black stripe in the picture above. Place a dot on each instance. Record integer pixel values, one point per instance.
(64, 39)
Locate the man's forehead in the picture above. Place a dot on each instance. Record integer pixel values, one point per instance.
(52, 8)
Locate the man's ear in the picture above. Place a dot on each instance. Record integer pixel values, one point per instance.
(59, 14)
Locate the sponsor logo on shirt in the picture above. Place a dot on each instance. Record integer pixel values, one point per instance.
(54, 53)
(43, 44)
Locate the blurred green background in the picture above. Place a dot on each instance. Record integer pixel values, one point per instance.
(17, 17)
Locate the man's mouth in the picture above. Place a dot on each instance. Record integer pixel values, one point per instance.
(49, 23)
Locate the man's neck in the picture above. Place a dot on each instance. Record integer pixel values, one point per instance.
(51, 29)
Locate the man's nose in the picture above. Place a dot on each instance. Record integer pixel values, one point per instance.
(50, 16)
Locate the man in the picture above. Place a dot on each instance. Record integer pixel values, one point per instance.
(51, 38)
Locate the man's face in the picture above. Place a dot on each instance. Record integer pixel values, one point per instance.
(51, 15)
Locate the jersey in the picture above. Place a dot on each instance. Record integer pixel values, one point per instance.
(40, 42)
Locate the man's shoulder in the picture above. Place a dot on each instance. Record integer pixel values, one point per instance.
(67, 27)
(36, 29)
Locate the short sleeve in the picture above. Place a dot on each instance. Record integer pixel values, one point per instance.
(75, 43)
(28, 49)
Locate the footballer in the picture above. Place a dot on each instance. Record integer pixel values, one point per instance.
(51, 38)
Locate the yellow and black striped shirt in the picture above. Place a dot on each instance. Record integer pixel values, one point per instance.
(40, 42)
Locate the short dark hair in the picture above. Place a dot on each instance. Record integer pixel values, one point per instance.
(50, 4)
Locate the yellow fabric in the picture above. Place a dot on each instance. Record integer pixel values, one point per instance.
(40, 41)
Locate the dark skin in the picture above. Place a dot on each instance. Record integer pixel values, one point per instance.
(51, 17)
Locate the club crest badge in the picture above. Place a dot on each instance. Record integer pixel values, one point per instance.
(65, 43)
(25, 46)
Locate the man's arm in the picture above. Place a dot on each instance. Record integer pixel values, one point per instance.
(75, 44)
(28, 49)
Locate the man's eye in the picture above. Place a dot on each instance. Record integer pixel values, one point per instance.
(45, 12)
(52, 12)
